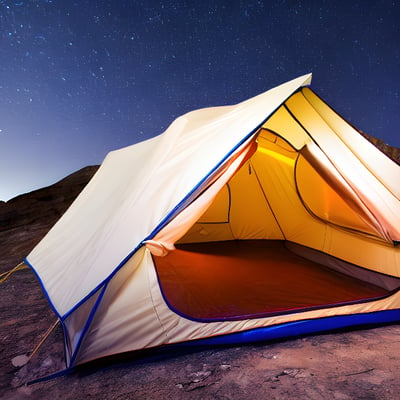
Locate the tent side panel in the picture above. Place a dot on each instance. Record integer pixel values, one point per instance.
(240, 211)
(380, 201)
(283, 123)
(336, 202)
(125, 319)
(382, 167)
(251, 216)
(274, 168)
(74, 325)
(71, 260)
(362, 250)
(367, 275)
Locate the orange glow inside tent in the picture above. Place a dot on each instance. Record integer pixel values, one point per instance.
(234, 263)
(237, 279)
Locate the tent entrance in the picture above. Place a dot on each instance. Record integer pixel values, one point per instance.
(239, 279)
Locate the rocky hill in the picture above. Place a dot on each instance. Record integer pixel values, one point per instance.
(48, 203)
(25, 219)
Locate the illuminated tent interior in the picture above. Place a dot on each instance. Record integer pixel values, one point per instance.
(238, 259)
(270, 218)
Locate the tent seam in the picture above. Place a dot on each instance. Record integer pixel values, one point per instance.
(152, 297)
(323, 152)
(325, 221)
(87, 324)
(43, 287)
(333, 130)
(267, 201)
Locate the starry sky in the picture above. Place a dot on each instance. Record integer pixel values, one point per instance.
(81, 78)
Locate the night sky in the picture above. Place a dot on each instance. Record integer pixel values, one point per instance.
(81, 78)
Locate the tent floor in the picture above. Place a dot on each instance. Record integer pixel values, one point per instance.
(249, 279)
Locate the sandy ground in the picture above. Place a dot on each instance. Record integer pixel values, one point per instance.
(359, 364)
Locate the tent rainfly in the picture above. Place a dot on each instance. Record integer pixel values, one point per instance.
(266, 219)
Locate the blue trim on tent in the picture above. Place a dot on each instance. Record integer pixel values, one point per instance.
(87, 325)
(105, 282)
(46, 378)
(301, 328)
(185, 201)
(43, 288)
(65, 336)
(288, 330)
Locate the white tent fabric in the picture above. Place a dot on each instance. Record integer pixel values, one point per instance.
(96, 265)
(135, 189)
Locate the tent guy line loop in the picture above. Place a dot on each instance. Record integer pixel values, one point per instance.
(5, 275)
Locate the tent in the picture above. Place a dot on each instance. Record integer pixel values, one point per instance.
(266, 219)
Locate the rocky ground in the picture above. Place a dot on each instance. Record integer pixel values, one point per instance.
(358, 364)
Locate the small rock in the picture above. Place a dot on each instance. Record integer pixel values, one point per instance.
(47, 362)
(269, 356)
(199, 376)
(296, 372)
(20, 361)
